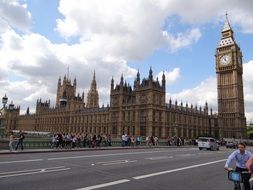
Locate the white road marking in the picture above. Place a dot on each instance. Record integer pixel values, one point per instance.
(159, 158)
(114, 163)
(110, 161)
(19, 161)
(205, 153)
(105, 155)
(105, 184)
(186, 155)
(23, 171)
(176, 170)
(35, 172)
(148, 175)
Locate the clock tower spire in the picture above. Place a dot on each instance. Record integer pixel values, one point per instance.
(229, 70)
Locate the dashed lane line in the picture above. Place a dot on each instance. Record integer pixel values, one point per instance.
(31, 170)
(105, 184)
(148, 175)
(116, 163)
(20, 161)
(176, 170)
(35, 171)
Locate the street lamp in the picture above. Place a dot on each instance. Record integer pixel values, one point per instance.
(2, 114)
(4, 100)
(11, 106)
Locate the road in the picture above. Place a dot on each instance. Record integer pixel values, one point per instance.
(135, 169)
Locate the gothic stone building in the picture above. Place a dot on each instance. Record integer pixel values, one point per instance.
(141, 109)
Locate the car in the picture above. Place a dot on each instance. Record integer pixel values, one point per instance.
(232, 144)
(207, 143)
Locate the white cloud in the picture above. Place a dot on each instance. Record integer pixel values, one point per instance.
(170, 76)
(129, 30)
(3, 25)
(248, 89)
(206, 11)
(15, 14)
(182, 39)
(24, 93)
(205, 91)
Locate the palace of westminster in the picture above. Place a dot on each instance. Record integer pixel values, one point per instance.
(142, 109)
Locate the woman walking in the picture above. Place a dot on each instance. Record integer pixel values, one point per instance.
(11, 141)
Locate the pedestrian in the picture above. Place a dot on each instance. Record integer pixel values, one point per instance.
(147, 140)
(11, 141)
(109, 140)
(138, 140)
(85, 140)
(20, 140)
(132, 140)
(55, 141)
(123, 140)
(94, 141)
(156, 140)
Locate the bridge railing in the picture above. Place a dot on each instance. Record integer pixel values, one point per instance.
(47, 144)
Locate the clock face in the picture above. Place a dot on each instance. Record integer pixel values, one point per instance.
(225, 59)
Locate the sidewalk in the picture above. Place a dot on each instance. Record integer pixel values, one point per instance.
(25, 151)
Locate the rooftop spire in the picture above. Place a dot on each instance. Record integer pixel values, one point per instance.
(150, 73)
(94, 76)
(226, 26)
(93, 98)
(94, 83)
(68, 72)
(227, 37)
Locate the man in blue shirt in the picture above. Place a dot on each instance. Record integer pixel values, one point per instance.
(240, 156)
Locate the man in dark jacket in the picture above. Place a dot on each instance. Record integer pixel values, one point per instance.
(20, 140)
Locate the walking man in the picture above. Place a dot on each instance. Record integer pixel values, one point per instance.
(20, 140)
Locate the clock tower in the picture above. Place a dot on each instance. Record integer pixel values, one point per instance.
(229, 69)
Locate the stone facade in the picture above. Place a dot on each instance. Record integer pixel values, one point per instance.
(138, 110)
(142, 109)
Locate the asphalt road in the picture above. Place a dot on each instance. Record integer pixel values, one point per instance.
(149, 169)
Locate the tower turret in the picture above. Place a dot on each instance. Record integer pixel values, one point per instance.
(150, 76)
(163, 81)
(92, 98)
(112, 84)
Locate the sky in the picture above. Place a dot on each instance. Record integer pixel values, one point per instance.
(40, 39)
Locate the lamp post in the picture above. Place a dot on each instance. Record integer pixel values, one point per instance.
(2, 114)
(11, 106)
(4, 100)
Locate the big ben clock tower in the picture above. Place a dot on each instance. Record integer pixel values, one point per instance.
(229, 69)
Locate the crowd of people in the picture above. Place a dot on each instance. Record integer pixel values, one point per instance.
(180, 141)
(80, 141)
(93, 141)
(96, 140)
(128, 140)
